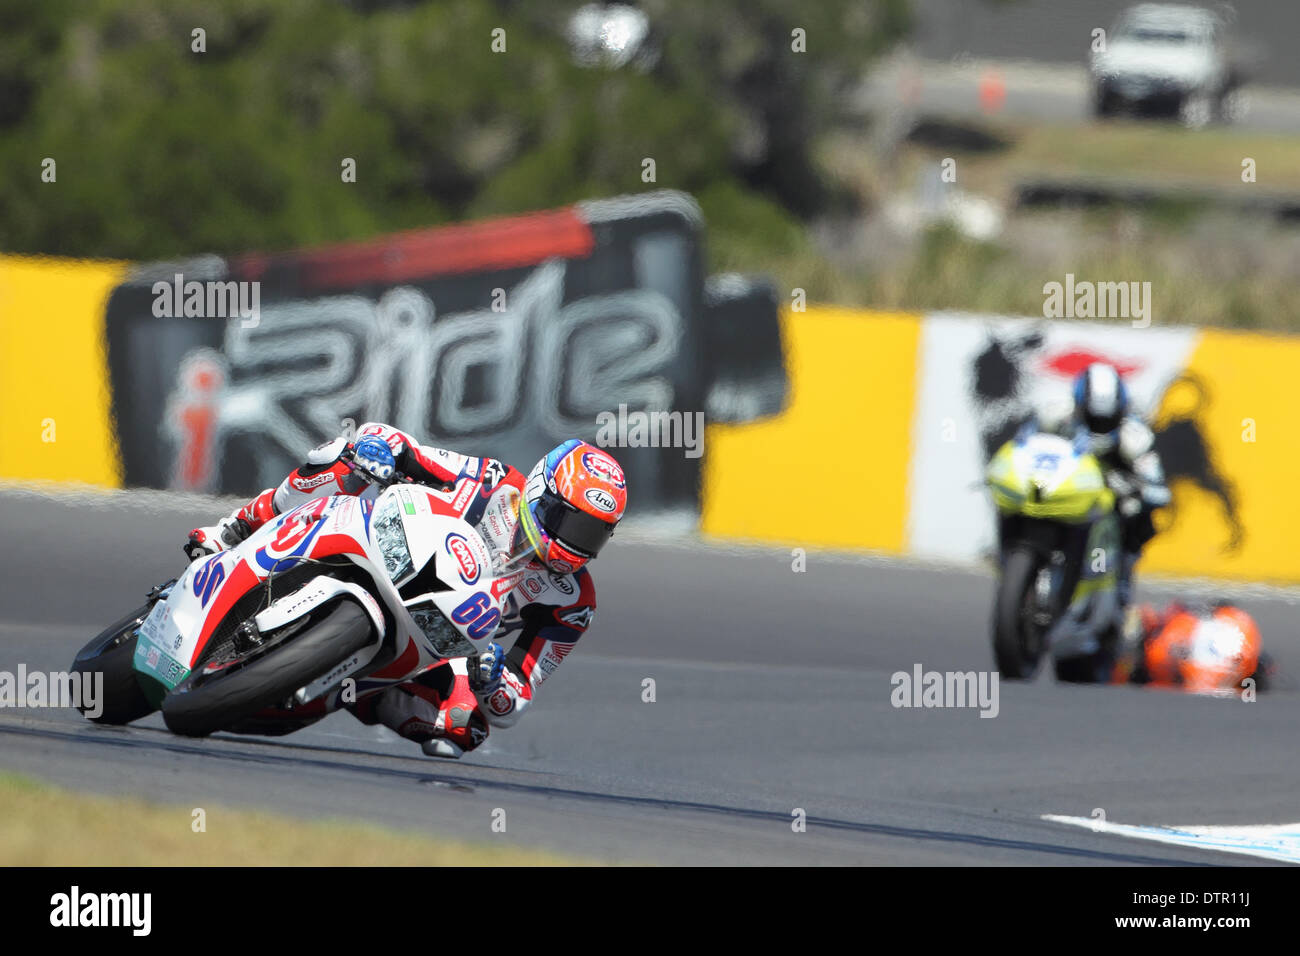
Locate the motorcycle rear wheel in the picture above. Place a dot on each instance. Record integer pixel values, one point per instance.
(112, 654)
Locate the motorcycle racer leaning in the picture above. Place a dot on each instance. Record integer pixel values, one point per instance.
(1124, 445)
(569, 506)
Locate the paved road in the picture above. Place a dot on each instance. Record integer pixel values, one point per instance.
(1036, 92)
(1038, 51)
(1060, 31)
(772, 693)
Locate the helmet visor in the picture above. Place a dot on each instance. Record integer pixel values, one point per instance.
(578, 531)
(1103, 424)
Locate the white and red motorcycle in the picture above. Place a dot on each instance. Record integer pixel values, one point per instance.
(323, 606)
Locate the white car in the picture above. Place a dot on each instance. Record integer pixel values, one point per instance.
(1166, 58)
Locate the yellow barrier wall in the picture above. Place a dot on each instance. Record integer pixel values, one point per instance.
(1247, 378)
(857, 371)
(843, 443)
(54, 394)
(841, 447)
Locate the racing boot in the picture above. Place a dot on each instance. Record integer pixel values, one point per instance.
(437, 710)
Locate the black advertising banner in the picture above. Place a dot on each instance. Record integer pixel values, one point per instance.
(498, 338)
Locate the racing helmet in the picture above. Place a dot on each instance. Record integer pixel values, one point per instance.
(572, 501)
(1204, 651)
(1100, 399)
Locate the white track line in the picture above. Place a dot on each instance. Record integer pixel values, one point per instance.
(1280, 842)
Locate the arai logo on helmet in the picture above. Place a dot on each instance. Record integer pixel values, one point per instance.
(459, 548)
(602, 466)
(602, 499)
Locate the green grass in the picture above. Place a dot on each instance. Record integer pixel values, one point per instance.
(1157, 152)
(42, 825)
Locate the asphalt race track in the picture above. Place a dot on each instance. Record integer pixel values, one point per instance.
(772, 693)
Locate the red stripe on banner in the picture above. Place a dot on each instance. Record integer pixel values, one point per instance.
(197, 424)
(401, 257)
(1071, 363)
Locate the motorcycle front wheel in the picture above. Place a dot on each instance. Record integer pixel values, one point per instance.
(208, 701)
(1017, 637)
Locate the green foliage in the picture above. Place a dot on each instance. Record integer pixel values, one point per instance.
(162, 151)
(759, 233)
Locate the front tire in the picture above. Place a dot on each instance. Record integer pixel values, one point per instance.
(112, 654)
(1017, 645)
(201, 705)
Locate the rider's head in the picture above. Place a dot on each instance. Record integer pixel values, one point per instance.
(1100, 400)
(573, 500)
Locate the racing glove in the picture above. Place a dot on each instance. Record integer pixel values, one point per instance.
(485, 672)
(226, 533)
(372, 458)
